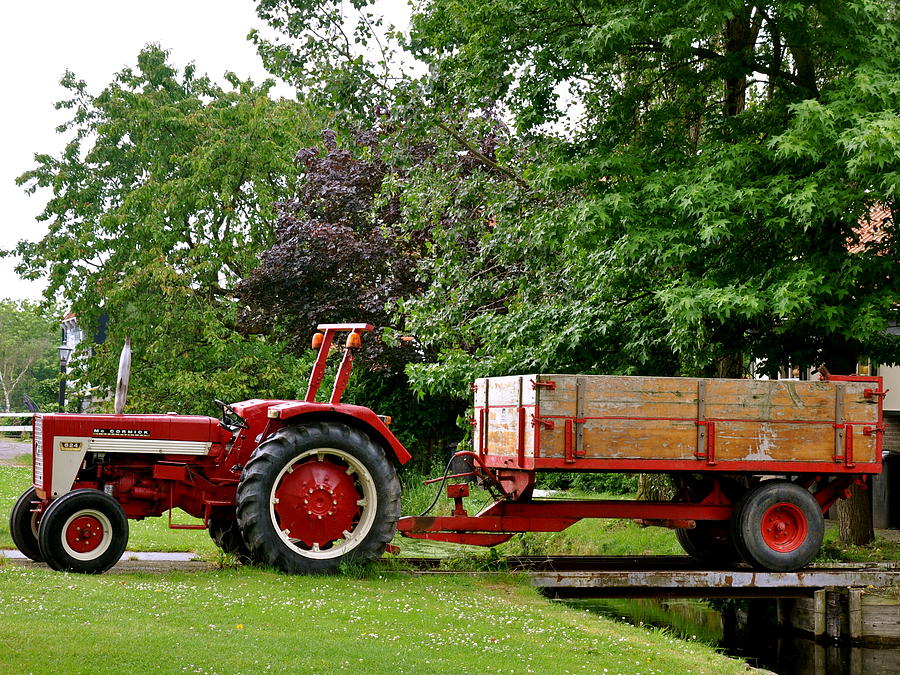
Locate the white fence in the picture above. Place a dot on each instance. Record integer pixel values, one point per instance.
(15, 428)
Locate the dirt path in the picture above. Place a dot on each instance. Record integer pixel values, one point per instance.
(10, 449)
(134, 566)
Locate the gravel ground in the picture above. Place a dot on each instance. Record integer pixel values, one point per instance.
(10, 449)
(147, 566)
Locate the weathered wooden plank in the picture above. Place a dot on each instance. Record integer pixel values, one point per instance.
(607, 395)
(639, 439)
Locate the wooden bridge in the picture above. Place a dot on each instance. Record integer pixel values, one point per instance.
(681, 576)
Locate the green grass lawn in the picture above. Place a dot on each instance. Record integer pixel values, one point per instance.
(252, 620)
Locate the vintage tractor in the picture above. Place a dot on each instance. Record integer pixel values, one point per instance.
(304, 485)
(298, 485)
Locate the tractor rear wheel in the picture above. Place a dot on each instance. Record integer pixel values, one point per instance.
(83, 531)
(227, 536)
(23, 526)
(778, 526)
(316, 495)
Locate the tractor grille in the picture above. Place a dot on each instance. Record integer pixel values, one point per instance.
(38, 450)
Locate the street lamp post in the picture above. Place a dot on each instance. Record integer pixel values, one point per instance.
(64, 352)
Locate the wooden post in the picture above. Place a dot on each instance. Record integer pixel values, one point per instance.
(819, 604)
(854, 613)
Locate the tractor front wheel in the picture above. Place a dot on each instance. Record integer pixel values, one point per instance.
(312, 496)
(83, 531)
(23, 525)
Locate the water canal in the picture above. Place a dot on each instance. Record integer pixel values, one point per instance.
(748, 629)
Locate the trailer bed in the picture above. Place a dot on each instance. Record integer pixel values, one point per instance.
(626, 423)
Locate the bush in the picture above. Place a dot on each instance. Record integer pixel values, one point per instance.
(611, 483)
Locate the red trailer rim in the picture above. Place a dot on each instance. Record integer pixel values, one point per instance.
(784, 527)
(85, 533)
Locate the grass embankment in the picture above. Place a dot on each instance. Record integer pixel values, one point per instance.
(256, 620)
(248, 619)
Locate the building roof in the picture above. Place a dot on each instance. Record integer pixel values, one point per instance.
(871, 230)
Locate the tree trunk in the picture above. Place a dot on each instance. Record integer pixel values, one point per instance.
(654, 487)
(855, 518)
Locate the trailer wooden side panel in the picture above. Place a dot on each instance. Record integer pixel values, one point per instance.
(585, 419)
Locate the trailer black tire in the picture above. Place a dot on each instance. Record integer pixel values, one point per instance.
(226, 534)
(23, 526)
(313, 496)
(83, 531)
(712, 542)
(779, 526)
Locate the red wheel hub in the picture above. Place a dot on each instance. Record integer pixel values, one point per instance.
(317, 502)
(84, 534)
(784, 527)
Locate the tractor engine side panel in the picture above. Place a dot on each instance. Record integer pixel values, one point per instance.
(65, 445)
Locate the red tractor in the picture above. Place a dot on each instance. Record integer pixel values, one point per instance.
(302, 485)
(298, 485)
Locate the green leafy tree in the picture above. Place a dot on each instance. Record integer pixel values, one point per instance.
(161, 201)
(28, 339)
(680, 190)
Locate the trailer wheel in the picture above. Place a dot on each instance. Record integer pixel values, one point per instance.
(23, 526)
(226, 534)
(778, 526)
(83, 531)
(711, 542)
(313, 496)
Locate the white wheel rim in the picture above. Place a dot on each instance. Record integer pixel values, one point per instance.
(105, 541)
(363, 481)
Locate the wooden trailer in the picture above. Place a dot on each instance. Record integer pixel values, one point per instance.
(757, 462)
(599, 422)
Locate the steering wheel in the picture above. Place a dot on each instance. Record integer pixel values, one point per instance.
(236, 421)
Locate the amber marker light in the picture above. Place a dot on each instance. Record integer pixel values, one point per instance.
(354, 340)
(317, 340)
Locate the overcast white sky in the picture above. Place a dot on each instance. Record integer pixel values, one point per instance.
(95, 39)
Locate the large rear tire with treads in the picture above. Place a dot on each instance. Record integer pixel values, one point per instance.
(23, 525)
(316, 495)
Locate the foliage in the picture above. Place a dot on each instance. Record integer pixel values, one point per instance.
(584, 481)
(339, 257)
(880, 549)
(161, 201)
(596, 537)
(27, 352)
(333, 259)
(677, 195)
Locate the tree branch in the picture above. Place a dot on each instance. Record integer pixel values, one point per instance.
(484, 159)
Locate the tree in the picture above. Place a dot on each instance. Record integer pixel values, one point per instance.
(161, 201)
(339, 257)
(683, 181)
(680, 191)
(27, 348)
